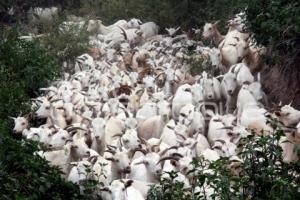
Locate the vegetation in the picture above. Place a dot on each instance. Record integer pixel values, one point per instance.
(24, 176)
(262, 175)
(66, 44)
(166, 13)
(27, 66)
(276, 24)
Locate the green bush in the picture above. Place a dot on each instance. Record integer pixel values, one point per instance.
(262, 175)
(64, 45)
(166, 13)
(276, 24)
(25, 67)
(24, 176)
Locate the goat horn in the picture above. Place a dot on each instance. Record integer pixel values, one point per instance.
(48, 89)
(111, 147)
(55, 100)
(140, 150)
(177, 154)
(219, 140)
(68, 140)
(159, 75)
(118, 135)
(90, 158)
(124, 33)
(139, 163)
(76, 128)
(168, 158)
(194, 145)
(126, 113)
(182, 136)
(37, 100)
(238, 39)
(105, 189)
(143, 141)
(226, 127)
(110, 151)
(167, 149)
(88, 118)
(13, 118)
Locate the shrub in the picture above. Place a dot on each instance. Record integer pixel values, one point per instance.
(262, 175)
(64, 45)
(276, 24)
(25, 67)
(24, 176)
(166, 13)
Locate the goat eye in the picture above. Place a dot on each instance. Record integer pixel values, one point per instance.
(23, 123)
(47, 107)
(183, 115)
(126, 141)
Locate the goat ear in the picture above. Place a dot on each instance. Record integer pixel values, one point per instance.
(140, 92)
(220, 78)
(128, 183)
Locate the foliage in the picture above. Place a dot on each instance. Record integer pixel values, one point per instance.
(261, 175)
(169, 189)
(25, 67)
(64, 45)
(166, 13)
(24, 176)
(199, 64)
(276, 23)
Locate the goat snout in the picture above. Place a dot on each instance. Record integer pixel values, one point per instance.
(277, 113)
(150, 89)
(165, 116)
(127, 170)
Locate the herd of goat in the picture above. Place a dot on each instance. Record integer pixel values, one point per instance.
(132, 111)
